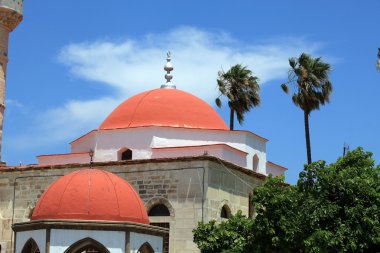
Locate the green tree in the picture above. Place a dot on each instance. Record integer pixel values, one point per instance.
(312, 87)
(230, 236)
(378, 60)
(333, 208)
(241, 89)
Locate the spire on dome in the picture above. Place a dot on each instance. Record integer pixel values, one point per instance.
(168, 68)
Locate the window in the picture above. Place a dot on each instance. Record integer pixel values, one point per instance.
(255, 164)
(159, 210)
(87, 245)
(145, 248)
(89, 249)
(30, 247)
(126, 155)
(225, 212)
(166, 237)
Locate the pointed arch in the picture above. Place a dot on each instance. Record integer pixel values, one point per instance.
(160, 204)
(225, 212)
(255, 163)
(159, 210)
(145, 248)
(87, 245)
(30, 247)
(124, 154)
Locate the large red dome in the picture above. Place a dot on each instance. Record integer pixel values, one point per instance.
(164, 107)
(91, 194)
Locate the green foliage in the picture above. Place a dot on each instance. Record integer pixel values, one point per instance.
(343, 203)
(230, 236)
(333, 208)
(277, 224)
(378, 60)
(241, 89)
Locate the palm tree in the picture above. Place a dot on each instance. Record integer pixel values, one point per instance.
(312, 87)
(378, 60)
(241, 89)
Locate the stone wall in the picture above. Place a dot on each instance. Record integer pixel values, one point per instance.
(191, 188)
(229, 187)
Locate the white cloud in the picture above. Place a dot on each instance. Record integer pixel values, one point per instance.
(13, 102)
(75, 116)
(134, 65)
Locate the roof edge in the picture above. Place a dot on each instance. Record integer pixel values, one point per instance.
(191, 129)
(276, 165)
(129, 162)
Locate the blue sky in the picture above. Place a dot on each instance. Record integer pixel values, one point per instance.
(72, 62)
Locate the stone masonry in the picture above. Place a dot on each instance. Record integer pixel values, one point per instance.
(193, 189)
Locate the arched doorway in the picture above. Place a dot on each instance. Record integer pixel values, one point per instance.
(145, 248)
(87, 245)
(30, 247)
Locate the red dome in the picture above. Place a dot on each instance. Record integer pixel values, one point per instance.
(90, 194)
(164, 107)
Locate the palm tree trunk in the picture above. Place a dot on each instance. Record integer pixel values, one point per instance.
(307, 135)
(232, 116)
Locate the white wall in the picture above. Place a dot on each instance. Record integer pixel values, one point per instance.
(221, 151)
(275, 171)
(64, 159)
(39, 236)
(90, 142)
(61, 239)
(137, 239)
(141, 140)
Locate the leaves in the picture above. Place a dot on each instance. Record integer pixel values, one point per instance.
(218, 102)
(241, 89)
(285, 88)
(312, 87)
(311, 80)
(229, 236)
(333, 208)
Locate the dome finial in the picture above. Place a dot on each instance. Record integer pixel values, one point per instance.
(168, 68)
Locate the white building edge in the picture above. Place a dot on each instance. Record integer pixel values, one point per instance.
(242, 148)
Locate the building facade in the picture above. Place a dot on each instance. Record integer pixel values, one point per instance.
(173, 148)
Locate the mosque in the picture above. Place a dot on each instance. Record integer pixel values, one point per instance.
(162, 161)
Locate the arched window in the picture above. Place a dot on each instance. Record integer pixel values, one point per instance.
(145, 248)
(87, 245)
(125, 154)
(225, 212)
(30, 247)
(159, 210)
(255, 164)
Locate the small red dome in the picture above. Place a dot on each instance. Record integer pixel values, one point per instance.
(90, 194)
(164, 107)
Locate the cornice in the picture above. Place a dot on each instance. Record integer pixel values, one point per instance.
(9, 18)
